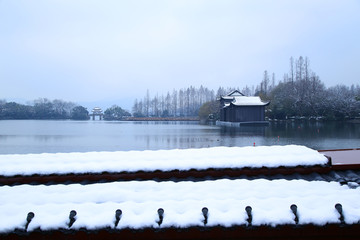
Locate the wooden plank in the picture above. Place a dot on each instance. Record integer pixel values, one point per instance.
(343, 158)
(329, 231)
(160, 175)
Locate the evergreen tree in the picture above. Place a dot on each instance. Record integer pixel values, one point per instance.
(79, 113)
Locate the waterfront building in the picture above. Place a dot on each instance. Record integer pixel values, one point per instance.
(235, 107)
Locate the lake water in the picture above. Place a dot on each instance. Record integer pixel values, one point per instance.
(39, 136)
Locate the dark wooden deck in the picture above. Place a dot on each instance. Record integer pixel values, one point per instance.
(175, 175)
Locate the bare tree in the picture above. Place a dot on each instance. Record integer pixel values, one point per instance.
(292, 69)
(265, 83)
(174, 103)
(147, 103)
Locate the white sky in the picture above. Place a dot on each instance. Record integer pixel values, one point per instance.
(96, 51)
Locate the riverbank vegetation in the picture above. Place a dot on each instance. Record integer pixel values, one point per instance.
(299, 95)
(43, 108)
(185, 102)
(116, 113)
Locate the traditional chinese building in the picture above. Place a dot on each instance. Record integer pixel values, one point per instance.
(236, 107)
(96, 112)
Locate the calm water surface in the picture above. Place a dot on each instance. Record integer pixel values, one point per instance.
(38, 136)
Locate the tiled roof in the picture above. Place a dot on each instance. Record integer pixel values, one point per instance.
(248, 101)
(238, 99)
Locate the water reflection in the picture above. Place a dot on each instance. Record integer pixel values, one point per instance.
(33, 136)
(181, 142)
(243, 131)
(314, 129)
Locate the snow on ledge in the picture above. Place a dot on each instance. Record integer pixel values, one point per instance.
(163, 160)
(182, 202)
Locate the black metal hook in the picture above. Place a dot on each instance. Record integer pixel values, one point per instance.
(161, 216)
(118, 214)
(293, 208)
(72, 217)
(29, 217)
(205, 212)
(248, 210)
(339, 208)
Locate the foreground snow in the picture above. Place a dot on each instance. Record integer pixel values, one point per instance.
(182, 201)
(165, 160)
(139, 200)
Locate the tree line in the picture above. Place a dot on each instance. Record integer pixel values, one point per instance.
(43, 108)
(116, 113)
(185, 102)
(301, 94)
(180, 103)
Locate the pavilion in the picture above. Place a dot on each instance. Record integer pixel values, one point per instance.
(96, 112)
(235, 108)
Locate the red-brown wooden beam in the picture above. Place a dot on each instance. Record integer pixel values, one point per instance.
(331, 231)
(158, 175)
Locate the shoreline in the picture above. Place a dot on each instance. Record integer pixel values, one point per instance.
(160, 119)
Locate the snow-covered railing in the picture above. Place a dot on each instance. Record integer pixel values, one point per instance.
(150, 204)
(124, 205)
(160, 160)
(160, 218)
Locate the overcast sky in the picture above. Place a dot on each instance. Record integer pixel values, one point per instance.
(96, 51)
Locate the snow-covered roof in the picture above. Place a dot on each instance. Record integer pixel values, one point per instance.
(164, 160)
(231, 95)
(238, 99)
(182, 202)
(248, 101)
(235, 93)
(227, 97)
(96, 110)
